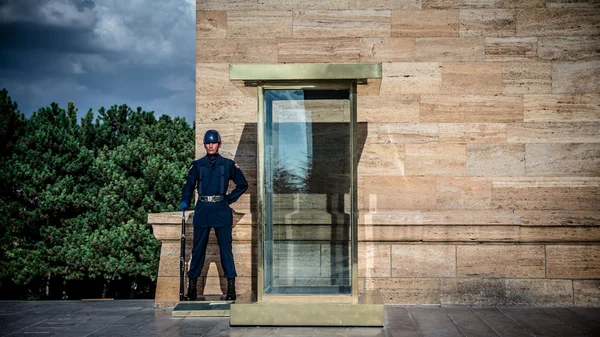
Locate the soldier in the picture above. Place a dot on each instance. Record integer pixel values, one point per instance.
(211, 175)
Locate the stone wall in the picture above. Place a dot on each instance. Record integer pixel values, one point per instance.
(479, 177)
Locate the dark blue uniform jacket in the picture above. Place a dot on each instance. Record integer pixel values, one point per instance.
(213, 180)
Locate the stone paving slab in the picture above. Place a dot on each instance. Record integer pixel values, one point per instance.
(139, 318)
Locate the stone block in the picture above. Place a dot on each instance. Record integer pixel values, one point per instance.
(574, 262)
(581, 160)
(318, 50)
(580, 77)
(569, 48)
(478, 78)
(374, 260)
(390, 218)
(470, 217)
(472, 291)
(470, 109)
(423, 261)
(559, 218)
(405, 290)
(393, 233)
(399, 193)
(464, 193)
(449, 4)
(235, 109)
(167, 232)
(425, 23)
(401, 78)
(218, 286)
(371, 88)
(212, 79)
(572, 3)
(251, 24)
(527, 77)
(170, 252)
(472, 133)
(560, 234)
(382, 160)
(586, 293)
(388, 109)
(462, 233)
(435, 160)
(211, 24)
(341, 23)
(236, 50)
(561, 108)
(511, 48)
(487, 22)
(551, 193)
(226, 5)
(167, 291)
(405, 133)
(553, 132)
(504, 261)
(450, 49)
(242, 232)
(243, 257)
(388, 50)
(496, 159)
(384, 4)
(539, 292)
(555, 22)
(268, 5)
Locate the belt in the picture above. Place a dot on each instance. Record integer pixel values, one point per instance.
(211, 198)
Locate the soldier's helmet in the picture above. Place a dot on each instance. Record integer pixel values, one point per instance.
(212, 136)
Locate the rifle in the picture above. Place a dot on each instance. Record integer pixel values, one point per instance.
(182, 258)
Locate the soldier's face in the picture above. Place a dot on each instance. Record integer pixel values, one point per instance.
(212, 148)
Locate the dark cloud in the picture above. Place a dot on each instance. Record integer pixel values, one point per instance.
(99, 53)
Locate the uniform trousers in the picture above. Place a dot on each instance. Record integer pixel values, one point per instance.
(224, 238)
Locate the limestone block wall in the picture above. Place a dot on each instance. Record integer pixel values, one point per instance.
(479, 176)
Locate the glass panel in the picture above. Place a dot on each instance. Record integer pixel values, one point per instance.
(307, 192)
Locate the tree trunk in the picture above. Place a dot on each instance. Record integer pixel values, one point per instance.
(65, 296)
(105, 288)
(48, 285)
(133, 288)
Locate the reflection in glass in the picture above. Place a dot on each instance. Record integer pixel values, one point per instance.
(307, 192)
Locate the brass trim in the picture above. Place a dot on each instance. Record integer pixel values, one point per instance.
(290, 85)
(309, 298)
(353, 194)
(304, 71)
(260, 190)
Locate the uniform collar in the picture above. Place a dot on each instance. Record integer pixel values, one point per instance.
(205, 162)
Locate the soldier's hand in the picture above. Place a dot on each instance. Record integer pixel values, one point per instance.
(183, 206)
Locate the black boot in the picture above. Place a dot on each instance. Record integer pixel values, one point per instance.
(230, 289)
(191, 291)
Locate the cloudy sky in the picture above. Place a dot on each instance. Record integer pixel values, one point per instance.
(99, 53)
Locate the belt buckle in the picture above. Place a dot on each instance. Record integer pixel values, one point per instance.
(211, 198)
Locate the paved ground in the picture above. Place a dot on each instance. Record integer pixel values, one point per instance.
(138, 318)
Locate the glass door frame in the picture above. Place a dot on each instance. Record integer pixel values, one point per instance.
(261, 190)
